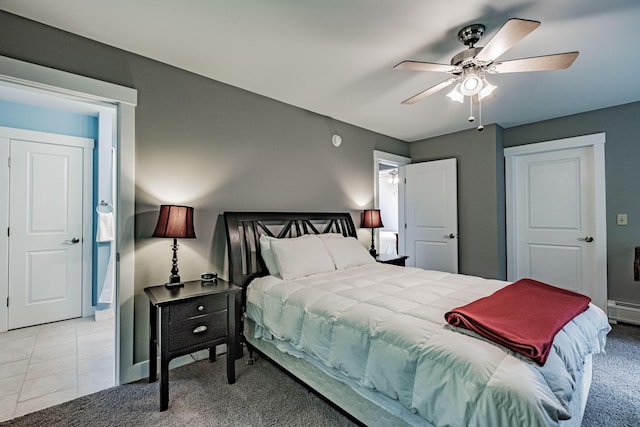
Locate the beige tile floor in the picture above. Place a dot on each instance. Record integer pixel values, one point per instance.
(44, 365)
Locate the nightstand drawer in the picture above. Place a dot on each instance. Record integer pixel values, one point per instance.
(197, 330)
(197, 307)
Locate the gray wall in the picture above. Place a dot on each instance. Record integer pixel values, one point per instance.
(481, 209)
(622, 158)
(211, 146)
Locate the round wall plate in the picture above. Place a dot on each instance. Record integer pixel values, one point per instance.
(337, 140)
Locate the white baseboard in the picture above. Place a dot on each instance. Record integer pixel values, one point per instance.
(620, 311)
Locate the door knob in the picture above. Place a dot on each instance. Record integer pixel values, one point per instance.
(72, 241)
(449, 236)
(587, 239)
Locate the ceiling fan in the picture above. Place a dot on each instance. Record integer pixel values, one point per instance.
(470, 66)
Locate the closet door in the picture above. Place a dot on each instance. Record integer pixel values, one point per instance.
(556, 214)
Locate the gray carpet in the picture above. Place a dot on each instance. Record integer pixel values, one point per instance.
(614, 399)
(264, 396)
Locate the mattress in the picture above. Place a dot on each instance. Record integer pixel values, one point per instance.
(382, 329)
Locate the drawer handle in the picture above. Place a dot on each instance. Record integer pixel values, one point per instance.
(200, 307)
(200, 329)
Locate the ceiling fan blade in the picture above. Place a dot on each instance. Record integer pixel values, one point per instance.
(511, 33)
(425, 66)
(433, 89)
(559, 61)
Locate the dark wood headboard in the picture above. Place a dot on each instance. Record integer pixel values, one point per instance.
(245, 228)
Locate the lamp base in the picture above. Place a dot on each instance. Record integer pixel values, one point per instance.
(372, 251)
(176, 285)
(174, 279)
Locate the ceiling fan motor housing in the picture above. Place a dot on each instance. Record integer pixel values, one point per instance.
(465, 58)
(470, 34)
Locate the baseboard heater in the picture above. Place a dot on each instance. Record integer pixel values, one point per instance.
(620, 311)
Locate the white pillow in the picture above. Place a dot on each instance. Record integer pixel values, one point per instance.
(348, 252)
(267, 254)
(301, 256)
(330, 236)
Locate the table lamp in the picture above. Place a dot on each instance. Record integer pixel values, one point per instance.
(371, 219)
(176, 222)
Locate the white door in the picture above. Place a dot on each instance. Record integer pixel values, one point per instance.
(45, 223)
(431, 215)
(554, 210)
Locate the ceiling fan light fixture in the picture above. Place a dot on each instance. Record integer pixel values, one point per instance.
(471, 84)
(487, 88)
(456, 95)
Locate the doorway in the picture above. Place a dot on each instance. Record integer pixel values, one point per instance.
(47, 263)
(34, 115)
(62, 86)
(94, 341)
(388, 182)
(389, 198)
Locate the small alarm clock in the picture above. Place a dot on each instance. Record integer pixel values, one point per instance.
(208, 277)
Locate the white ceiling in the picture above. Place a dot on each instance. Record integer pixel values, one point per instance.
(336, 57)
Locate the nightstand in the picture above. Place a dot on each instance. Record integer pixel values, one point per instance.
(392, 259)
(194, 317)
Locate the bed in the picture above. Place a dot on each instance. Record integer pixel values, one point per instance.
(371, 338)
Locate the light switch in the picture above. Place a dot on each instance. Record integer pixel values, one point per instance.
(621, 219)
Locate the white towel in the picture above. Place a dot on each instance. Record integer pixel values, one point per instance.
(105, 227)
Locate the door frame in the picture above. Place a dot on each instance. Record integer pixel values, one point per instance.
(596, 141)
(394, 160)
(87, 145)
(62, 84)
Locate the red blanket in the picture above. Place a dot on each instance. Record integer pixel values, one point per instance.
(524, 316)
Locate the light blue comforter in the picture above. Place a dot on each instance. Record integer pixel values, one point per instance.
(383, 326)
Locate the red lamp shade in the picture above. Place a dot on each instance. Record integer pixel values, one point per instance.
(175, 221)
(372, 219)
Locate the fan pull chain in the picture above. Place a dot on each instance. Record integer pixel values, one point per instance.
(471, 118)
(480, 127)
